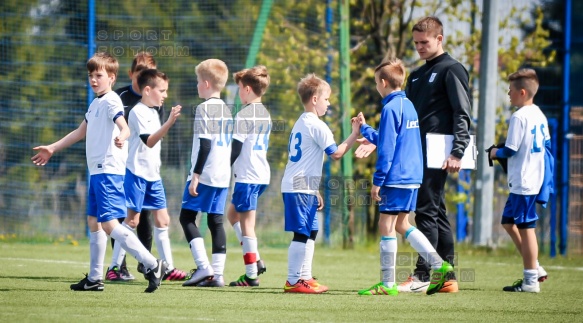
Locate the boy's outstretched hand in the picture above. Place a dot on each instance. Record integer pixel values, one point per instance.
(174, 113)
(364, 149)
(42, 157)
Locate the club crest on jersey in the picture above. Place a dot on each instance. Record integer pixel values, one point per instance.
(411, 124)
(432, 78)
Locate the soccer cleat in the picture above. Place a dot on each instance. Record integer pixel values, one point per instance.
(261, 267)
(85, 285)
(439, 277)
(313, 282)
(197, 275)
(245, 281)
(212, 282)
(413, 285)
(125, 274)
(175, 274)
(380, 289)
(520, 286)
(155, 275)
(542, 274)
(300, 287)
(113, 274)
(450, 285)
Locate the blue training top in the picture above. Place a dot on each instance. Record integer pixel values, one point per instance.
(398, 141)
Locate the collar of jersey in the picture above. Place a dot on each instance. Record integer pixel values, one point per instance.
(389, 97)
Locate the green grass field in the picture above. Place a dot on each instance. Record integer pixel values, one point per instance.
(35, 278)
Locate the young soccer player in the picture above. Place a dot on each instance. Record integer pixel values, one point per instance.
(398, 175)
(143, 183)
(130, 95)
(250, 167)
(528, 138)
(106, 131)
(210, 174)
(309, 139)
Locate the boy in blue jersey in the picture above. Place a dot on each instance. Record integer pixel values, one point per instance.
(309, 139)
(528, 137)
(398, 175)
(106, 131)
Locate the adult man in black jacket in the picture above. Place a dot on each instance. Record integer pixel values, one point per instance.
(440, 93)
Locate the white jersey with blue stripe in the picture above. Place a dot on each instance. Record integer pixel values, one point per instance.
(252, 128)
(310, 138)
(213, 121)
(527, 132)
(103, 157)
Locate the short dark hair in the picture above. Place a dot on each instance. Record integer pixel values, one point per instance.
(103, 60)
(430, 24)
(150, 78)
(525, 79)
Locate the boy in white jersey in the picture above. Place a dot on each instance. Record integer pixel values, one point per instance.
(528, 138)
(106, 131)
(398, 175)
(309, 139)
(130, 95)
(143, 183)
(210, 174)
(250, 167)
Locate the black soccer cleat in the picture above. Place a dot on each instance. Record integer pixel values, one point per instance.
(85, 285)
(156, 275)
(261, 267)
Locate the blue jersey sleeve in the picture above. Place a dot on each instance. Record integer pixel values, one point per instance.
(505, 152)
(369, 133)
(387, 140)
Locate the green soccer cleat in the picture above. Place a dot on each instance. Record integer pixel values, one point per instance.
(380, 289)
(439, 277)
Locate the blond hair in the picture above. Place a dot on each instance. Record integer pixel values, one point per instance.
(103, 60)
(392, 71)
(214, 71)
(256, 77)
(310, 86)
(430, 24)
(525, 79)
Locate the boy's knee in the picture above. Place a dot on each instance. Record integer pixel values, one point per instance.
(187, 216)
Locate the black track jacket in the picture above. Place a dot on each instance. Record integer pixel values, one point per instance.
(440, 93)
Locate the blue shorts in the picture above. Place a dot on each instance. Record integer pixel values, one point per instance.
(300, 212)
(210, 199)
(520, 210)
(245, 196)
(141, 194)
(106, 199)
(396, 199)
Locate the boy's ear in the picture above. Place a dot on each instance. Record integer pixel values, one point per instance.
(523, 92)
(314, 99)
(146, 90)
(130, 74)
(384, 83)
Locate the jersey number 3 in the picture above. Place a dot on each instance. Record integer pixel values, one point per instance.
(297, 149)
